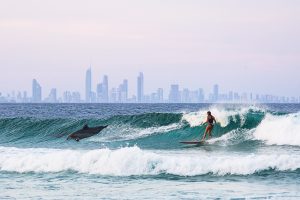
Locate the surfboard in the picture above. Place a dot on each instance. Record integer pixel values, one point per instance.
(192, 142)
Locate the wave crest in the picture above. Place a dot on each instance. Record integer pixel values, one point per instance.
(134, 161)
(279, 130)
(223, 116)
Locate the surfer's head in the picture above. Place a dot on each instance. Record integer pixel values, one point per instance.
(208, 112)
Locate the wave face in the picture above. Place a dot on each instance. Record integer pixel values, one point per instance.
(134, 161)
(247, 141)
(244, 126)
(254, 152)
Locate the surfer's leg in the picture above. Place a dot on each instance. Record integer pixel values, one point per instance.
(204, 135)
(210, 130)
(209, 133)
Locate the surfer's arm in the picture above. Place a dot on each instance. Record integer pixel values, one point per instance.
(215, 120)
(202, 123)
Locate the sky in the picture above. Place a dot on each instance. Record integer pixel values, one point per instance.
(245, 46)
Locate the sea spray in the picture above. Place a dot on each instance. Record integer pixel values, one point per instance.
(279, 130)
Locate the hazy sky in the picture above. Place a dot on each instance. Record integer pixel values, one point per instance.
(246, 46)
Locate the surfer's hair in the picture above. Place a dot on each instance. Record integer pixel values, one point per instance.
(208, 112)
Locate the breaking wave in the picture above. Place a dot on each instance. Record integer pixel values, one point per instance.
(279, 130)
(161, 130)
(134, 161)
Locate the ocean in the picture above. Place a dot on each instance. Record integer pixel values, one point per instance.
(254, 152)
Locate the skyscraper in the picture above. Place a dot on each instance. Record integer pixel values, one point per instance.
(194, 96)
(123, 92)
(75, 97)
(113, 95)
(105, 89)
(140, 87)
(102, 90)
(201, 97)
(67, 97)
(185, 97)
(174, 96)
(36, 92)
(25, 100)
(160, 95)
(100, 93)
(19, 97)
(52, 98)
(88, 85)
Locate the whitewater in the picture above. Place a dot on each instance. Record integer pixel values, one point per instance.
(254, 152)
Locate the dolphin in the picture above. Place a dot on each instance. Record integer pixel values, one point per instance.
(85, 132)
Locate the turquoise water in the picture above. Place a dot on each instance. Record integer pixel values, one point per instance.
(255, 152)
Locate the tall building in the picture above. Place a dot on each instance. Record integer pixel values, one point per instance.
(76, 97)
(52, 98)
(194, 96)
(160, 95)
(88, 85)
(93, 97)
(25, 100)
(67, 97)
(123, 92)
(113, 95)
(102, 90)
(105, 89)
(185, 97)
(19, 97)
(36, 92)
(201, 96)
(100, 93)
(140, 87)
(174, 96)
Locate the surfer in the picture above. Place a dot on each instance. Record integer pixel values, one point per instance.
(210, 125)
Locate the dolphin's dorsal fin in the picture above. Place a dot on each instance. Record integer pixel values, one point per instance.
(85, 126)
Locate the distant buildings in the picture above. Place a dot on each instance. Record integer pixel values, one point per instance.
(120, 94)
(71, 97)
(67, 97)
(102, 91)
(52, 98)
(186, 95)
(113, 95)
(123, 92)
(36, 92)
(88, 86)
(160, 95)
(174, 96)
(140, 88)
(201, 97)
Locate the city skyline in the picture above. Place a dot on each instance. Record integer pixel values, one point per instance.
(102, 93)
(247, 46)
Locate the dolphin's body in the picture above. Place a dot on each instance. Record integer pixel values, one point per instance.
(85, 132)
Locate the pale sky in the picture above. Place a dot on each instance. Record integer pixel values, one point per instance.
(243, 46)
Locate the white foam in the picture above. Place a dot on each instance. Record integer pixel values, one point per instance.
(279, 130)
(126, 132)
(222, 115)
(134, 161)
(232, 137)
